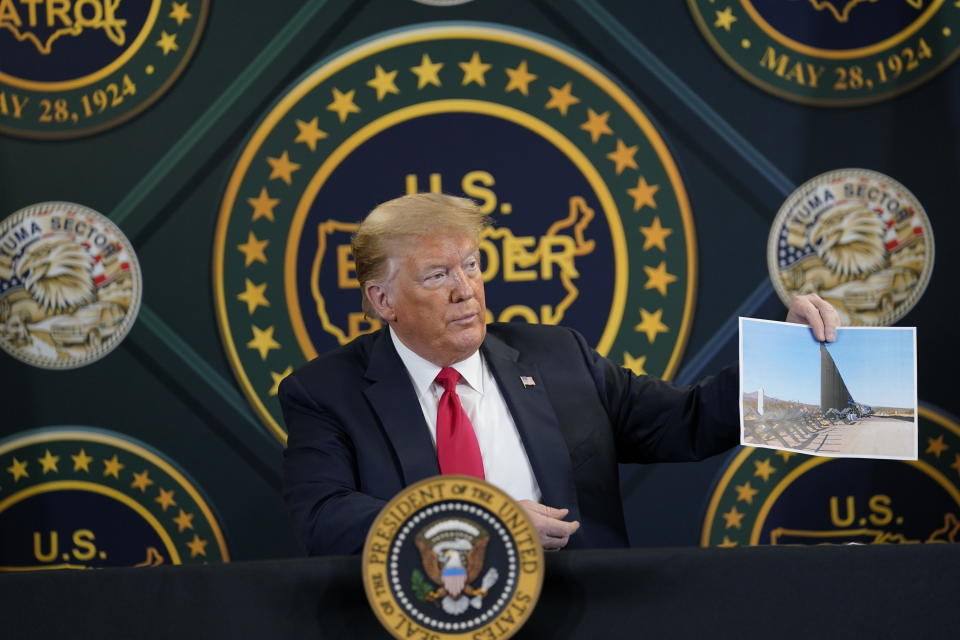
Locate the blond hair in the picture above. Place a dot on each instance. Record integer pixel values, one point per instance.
(407, 218)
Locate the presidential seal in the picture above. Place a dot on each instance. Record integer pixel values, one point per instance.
(69, 285)
(767, 497)
(79, 497)
(593, 227)
(452, 557)
(70, 68)
(832, 52)
(857, 238)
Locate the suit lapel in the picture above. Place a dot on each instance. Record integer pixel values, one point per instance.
(395, 401)
(537, 423)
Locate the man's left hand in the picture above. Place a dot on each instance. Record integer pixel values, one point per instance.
(549, 522)
(817, 313)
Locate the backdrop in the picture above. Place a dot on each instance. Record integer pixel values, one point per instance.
(633, 154)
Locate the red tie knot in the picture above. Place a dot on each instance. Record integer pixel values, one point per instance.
(448, 378)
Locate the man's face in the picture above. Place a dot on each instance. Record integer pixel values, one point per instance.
(435, 299)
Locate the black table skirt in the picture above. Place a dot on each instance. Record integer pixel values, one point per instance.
(762, 592)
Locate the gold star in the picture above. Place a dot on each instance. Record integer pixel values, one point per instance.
(561, 99)
(651, 324)
(745, 493)
(309, 133)
(623, 156)
(263, 205)
(184, 521)
(786, 455)
(643, 194)
(596, 124)
(733, 518)
(253, 250)
(474, 70)
(180, 13)
(764, 469)
(428, 72)
(936, 446)
(18, 469)
(727, 542)
(166, 499)
(254, 296)
(198, 547)
(725, 19)
(81, 461)
(654, 235)
(263, 341)
(112, 467)
(634, 364)
(659, 278)
(956, 463)
(278, 378)
(282, 168)
(520, 79)
(383, 82)
(49, 462)
(343, 104)
(141, 481)
(167, 42)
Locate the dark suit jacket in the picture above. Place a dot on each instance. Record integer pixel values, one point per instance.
(357, 434)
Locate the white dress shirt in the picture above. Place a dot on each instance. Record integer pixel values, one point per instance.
(505, 462)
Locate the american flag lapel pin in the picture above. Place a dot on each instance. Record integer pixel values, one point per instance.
(527, 381)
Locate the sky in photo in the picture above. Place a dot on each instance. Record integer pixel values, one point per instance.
(877, 364)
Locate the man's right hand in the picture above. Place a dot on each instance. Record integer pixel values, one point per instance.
(554, 531)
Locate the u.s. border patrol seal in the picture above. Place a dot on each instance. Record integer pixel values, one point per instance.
(857, 238)
(767, 497)
(593, 227)
(452, 557)
(70, 68)
(79, 497)
(833, 52)
(70, 285)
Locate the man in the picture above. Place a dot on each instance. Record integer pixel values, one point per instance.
(533, 409)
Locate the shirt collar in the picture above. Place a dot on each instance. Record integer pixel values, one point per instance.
(423, 372)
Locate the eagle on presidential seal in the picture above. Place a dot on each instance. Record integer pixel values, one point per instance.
(452, 552)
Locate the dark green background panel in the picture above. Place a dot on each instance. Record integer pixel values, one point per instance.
(161, 176)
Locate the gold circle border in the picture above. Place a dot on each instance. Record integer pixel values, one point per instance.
(739, 69)
(734, 465)
(509, 114)
(789, 479)
(57, 435)
(110, 492)
(531, 582)
(842, 54)
(124, 117)
(412, 35)
(90, 78)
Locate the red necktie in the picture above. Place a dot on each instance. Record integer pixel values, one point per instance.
(457, 448)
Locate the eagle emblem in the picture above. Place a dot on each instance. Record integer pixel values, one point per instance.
(452, 553)
(858, 239)
(69, 285)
